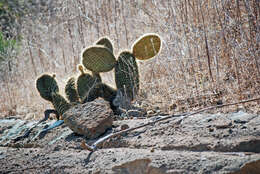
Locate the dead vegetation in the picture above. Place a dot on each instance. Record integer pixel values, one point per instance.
(210, 50)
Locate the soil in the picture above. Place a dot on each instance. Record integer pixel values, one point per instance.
(202, 143)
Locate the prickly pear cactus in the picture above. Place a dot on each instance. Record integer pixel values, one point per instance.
(71, 91)
(106, 92)
(59, 103)
(126, 74)
(85, 86)
(101, 90)
(121, 101)
(106, 43)
(98, 59)
(45, 85)
(96, 75)
(109, 94)
(93, 93)
(147, 46)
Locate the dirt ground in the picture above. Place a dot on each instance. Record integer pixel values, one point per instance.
(203, 143)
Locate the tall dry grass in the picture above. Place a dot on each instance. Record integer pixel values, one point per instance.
(210, 50)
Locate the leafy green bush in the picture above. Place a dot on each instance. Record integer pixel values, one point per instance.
(8, 48)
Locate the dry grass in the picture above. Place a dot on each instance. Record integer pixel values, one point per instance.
(210, 50)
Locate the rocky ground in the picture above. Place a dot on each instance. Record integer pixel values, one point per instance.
(202, 143)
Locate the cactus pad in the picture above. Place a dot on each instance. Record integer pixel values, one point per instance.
(106, 92)
(85, 83)
(59, 103)
(106, 43)
(101, 90)
(71, 91)
(93, 93)
(126, 74)
(98, 59)
(96, 75)
(47, 84)
(147, 47)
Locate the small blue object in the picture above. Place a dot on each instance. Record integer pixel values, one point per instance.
(55, 124)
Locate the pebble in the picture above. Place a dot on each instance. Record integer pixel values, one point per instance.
(124, 127)
(211, 130)
(134, 113)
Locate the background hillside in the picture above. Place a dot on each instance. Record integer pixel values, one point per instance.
(210, 49)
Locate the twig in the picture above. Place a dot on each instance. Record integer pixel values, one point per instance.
(101, 140)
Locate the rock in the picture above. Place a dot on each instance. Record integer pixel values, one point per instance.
(241, 117)
(252, 167)
(149, 112)
(211, 129)
(128, 161)
(223, 125)
(177, 145)
(30, 116)
(91, 119)
(238, 121)
(134, 113)
(138, 166)
(124, 127)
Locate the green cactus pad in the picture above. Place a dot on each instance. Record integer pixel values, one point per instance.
(96, 75)
(98, 59)
(101, 90)
(85, 83)
(45, 85)
(59, 103)
(92, 94)
(126, 74)
(71, 91)
(147, 47)
(106, 43)
(106, 92)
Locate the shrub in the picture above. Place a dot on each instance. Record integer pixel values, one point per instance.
(8, 50)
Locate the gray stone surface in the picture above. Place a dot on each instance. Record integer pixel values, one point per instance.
(203, 143)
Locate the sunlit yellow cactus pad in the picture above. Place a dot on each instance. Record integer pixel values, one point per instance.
(147, 47)
(98, 59)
